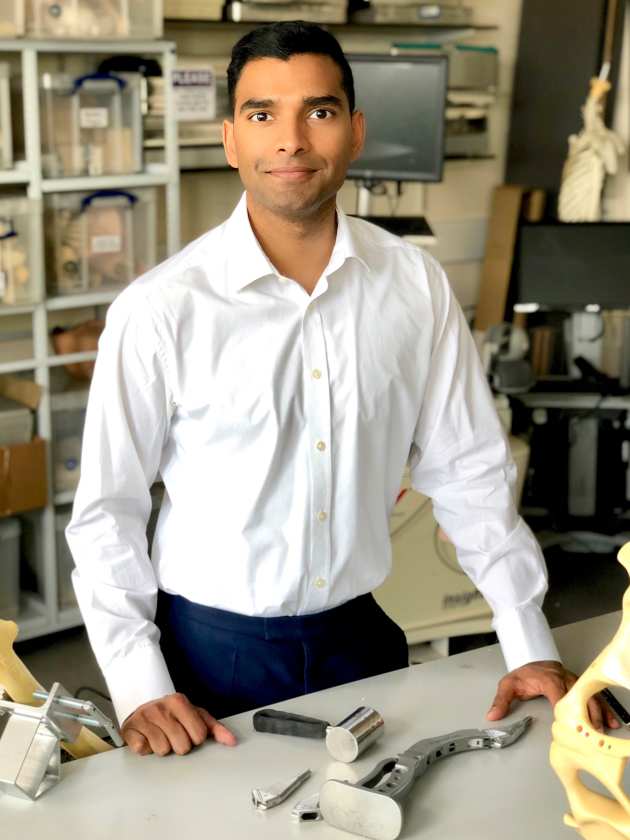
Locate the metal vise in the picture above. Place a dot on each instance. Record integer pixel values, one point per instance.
(30, 754)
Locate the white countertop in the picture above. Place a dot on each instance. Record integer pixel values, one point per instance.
(206, 794)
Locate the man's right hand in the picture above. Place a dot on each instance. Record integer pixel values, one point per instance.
(172, 723)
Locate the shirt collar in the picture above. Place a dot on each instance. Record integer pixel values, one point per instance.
(247, 262)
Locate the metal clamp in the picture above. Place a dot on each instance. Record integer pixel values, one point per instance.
(30, 755)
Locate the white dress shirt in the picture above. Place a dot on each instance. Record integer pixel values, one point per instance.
(280, 424)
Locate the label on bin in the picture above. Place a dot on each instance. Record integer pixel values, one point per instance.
(3, 283)
(195, 93)
(106, 244)
(93, 117)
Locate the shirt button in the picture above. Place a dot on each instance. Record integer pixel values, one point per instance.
(317, 374)
(321, 445)
(320, 583)
(322, 516)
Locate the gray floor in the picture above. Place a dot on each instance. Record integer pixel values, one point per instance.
(580, 586)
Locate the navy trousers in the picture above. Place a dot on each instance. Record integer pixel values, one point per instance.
(231, 663)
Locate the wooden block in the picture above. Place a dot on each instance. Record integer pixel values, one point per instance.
(497, 264)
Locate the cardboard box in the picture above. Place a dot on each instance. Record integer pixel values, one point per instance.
(23, 478)
(23, 483)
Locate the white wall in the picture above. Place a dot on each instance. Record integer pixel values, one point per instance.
(457, 208)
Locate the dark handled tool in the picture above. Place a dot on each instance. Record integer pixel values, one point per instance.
(372, 807)
(285, 723)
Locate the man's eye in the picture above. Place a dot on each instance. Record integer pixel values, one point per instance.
(323, 113)
(254, 117)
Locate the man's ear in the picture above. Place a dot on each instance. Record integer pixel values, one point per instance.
(358, 133)
(228, 143)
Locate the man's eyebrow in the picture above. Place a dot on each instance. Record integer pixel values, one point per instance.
(256, 103)
(311, 101)
(328, 99)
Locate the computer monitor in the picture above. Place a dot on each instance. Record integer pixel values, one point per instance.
(404, 100)
(569, 266)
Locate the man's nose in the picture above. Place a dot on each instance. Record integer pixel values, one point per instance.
(293, 137)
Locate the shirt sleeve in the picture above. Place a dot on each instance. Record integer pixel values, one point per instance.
(461, 459)
(126, 424)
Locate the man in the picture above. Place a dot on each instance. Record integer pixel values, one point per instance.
(278, 373)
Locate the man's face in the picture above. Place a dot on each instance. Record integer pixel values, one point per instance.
(292, 137)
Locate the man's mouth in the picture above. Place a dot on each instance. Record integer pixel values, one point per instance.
(292, 173)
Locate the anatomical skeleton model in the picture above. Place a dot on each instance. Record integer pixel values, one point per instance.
(577, 746)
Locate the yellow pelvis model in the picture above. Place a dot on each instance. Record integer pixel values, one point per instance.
(577, 746)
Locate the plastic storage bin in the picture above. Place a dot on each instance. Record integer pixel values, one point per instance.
(9, 568)
(100, 240)
(94, 18)
(16, 422)
(18, 238)
(11, 18)
(33, 551)
(68, 419)
(91, 125)
(6, 137)
(65, 564)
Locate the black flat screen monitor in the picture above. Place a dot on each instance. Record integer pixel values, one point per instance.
(403, 99)
(569, 266)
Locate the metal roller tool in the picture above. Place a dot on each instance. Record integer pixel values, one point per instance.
(372, 807)
(344, 742)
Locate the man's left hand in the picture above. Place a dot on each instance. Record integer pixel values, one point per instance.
(549, 679)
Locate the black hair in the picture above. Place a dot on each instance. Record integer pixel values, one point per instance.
(282, 40)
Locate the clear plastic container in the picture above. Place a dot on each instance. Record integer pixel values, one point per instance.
(65, 564)
(6, 137)
(11, 18)
(94, 18)
(16, 422)
(68, 419)
(33, 551)
(100, 240)
(91, 125)
(10, 530)
(19, 218)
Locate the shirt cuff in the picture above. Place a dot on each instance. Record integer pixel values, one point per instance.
(137, 678)
(524, 636)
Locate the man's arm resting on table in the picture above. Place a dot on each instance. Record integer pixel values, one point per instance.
(461, 459)
(126, 425)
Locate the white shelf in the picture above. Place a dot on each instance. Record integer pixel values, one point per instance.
(71, 358)
(94, 46)
(10, 309)
(14, 176)
(81, 300)
(159, 178)
(32, 619)
(16, 367)
(68, 617)
(66, 497)
(42, 615)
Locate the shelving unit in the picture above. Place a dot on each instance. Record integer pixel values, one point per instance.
(41, 613)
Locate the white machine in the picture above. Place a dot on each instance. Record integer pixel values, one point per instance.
(428, 594)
